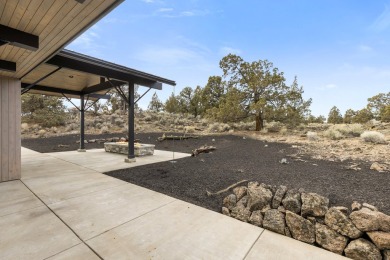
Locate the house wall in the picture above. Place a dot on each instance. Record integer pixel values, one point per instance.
(10, 136)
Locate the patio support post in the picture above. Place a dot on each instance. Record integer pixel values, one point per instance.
(82, 107)
(131, 137)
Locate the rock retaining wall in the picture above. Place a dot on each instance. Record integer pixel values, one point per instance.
(361, 232)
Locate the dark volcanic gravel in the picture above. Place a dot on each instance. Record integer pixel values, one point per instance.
(239, 159)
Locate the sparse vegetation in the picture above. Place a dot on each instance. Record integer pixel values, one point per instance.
(373, 137)
(312, 136)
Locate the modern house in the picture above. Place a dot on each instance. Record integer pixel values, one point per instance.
(33, 35)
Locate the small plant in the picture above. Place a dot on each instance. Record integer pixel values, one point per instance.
(373, 137)
(333, 134)
(312, 136)
(104, 130)
(352, 130)
(218, 128)
(42, 133)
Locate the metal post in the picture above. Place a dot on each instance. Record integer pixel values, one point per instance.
(82, 106)
(131, 156)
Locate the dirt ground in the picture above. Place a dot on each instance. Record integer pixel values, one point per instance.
(241, 158)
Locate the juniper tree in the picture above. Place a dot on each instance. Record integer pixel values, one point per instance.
(334, 116)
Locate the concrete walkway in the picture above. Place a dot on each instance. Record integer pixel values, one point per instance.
(64, 208)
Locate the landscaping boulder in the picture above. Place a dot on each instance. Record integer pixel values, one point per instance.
(240, 192)
(330, 239)
(369, 206)
(386, 255)
(343, 209)
(243, 202)
(314, 205)
(256, 218)
(274, 221)
(300, 228)
(240, 213)
(292, 201)
(226, 211)
(361, 249)
(253, 184)
(380, 239)
(287, 232)
(258, 198)
(279, 194)
(229, 201)
(356, 206)
(340, 223)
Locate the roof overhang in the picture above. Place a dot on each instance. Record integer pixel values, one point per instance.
(31, 32)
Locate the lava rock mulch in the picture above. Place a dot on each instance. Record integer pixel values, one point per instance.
(239, 159)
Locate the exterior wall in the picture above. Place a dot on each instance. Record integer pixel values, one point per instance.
(10, 137)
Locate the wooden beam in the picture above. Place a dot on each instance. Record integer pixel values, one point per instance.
(7, 65)
(19, 38)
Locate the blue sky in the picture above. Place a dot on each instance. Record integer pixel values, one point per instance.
(338, 49)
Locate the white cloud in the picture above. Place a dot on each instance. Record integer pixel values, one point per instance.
(225, 50)
(382, 22)
(164, 10)
(148, 1)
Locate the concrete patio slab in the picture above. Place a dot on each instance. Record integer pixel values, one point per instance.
(16, 197)
(80, 251)
(34, 234)
(275, 246)
(55, 188)
(95, 213)
(179, 230)
(102, 161)
(119, 220)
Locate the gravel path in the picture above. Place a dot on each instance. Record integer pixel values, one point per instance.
(238, 159)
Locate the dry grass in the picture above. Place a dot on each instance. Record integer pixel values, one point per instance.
(312, 136)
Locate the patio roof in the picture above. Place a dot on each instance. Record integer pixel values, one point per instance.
(75, 74)
(33, 31)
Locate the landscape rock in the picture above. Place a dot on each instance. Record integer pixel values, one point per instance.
(368, 220)
(240, 192)
(278, 197)
(282, 209)
(381, 239)
(241, 213)
(378, 167)
(287, 232)
(243, 202)
(369, 206)
(292, 201)
(274, 221)
(300, 228)
(330, 239)
(225, 211)
(265, 209)
(344, 210)
(312, 220)
(365, 219)
(340, 223)
(356, 206)
(361, 249)
(314, 205)
(386, 255)
(256, 218)
(229, 201)
(258, 198)
(253, 184)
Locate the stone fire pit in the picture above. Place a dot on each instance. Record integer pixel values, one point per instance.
(122, 147)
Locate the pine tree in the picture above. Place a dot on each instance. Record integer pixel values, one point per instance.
(334, 116)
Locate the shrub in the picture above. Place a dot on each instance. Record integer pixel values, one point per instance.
(42, 133)
(274, 127)
(104, 130)
(218, 127)
(119, 121)
(312, 136)
(24, 127)
(189, 129)
(373, 137)
(333, 134)
(353, 130)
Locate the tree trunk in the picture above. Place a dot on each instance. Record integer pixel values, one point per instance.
(259, 121)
